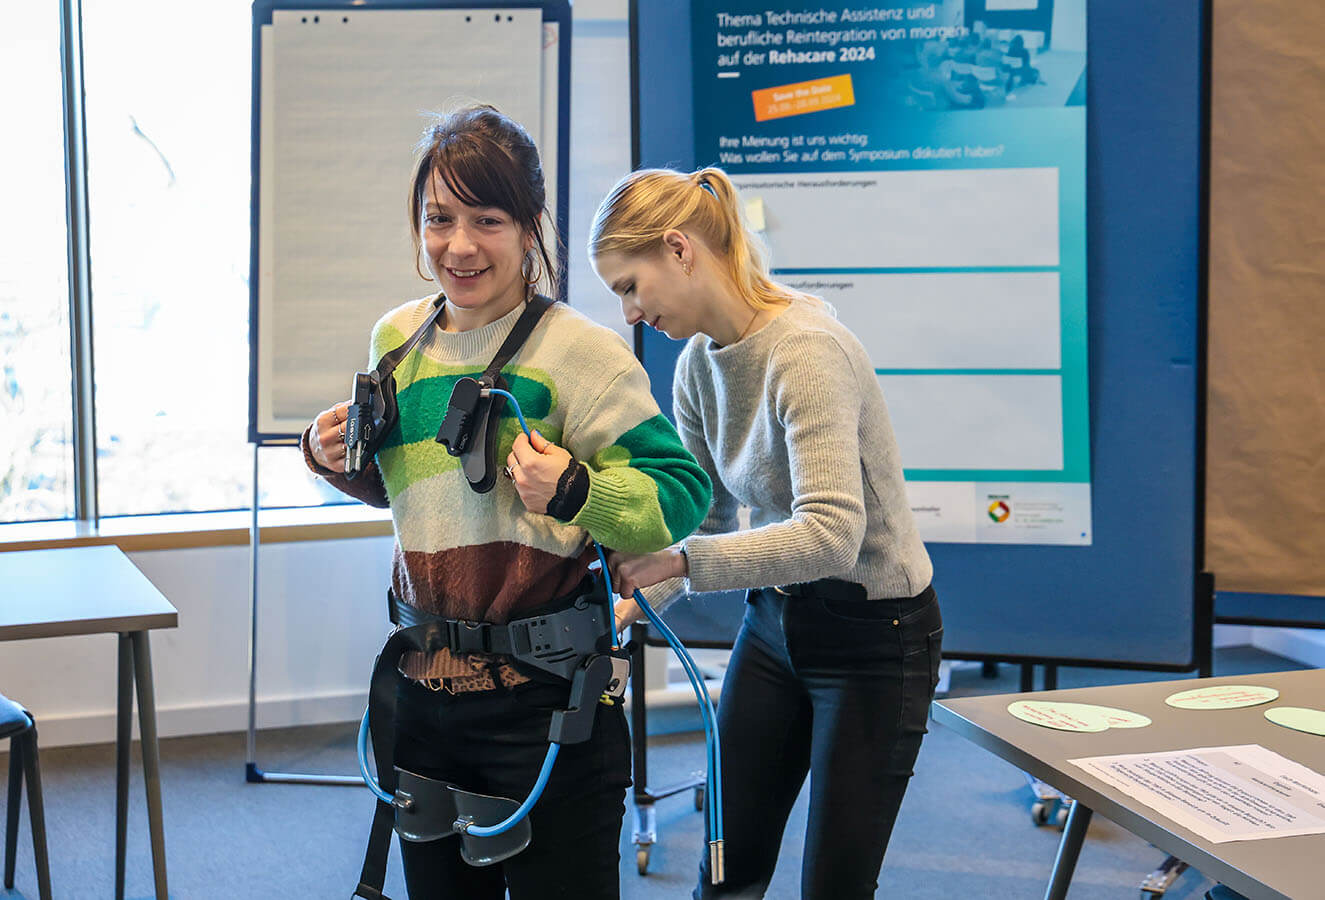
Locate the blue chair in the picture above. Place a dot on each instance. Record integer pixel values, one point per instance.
(18, 725)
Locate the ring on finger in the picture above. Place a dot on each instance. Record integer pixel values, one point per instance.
(510, 476)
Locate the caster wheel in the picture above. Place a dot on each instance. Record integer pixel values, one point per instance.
(642, 861)
(1060, 818)
(1039, 813)
(699, 798)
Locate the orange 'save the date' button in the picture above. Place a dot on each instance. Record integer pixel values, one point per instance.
(803, 97)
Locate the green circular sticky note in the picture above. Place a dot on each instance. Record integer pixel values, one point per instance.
(1222, 696)
(1113, 717)
(1298, 718)
(1062, 716)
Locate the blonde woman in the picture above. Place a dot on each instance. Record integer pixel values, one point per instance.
(836, 661)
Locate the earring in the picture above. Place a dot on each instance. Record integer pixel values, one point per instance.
(686, 267)
(531, 281)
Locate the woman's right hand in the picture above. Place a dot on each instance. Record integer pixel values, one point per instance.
(326, 439)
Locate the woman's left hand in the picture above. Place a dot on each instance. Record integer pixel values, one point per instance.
(631, 571)
(536, 466)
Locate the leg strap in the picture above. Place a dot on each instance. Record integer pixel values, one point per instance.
(424, 809)
(382, 728)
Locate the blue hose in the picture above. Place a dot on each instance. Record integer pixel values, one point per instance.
(707, 713)
(543, 775)
(477, 830)
(696, 679)
(368, 778)
(515, 405)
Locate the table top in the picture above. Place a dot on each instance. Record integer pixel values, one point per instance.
(77, 590)
(1286, 868)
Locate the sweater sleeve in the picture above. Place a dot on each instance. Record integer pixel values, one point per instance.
(722, 514)
(645, 489)
(818, 404)
(367, 487)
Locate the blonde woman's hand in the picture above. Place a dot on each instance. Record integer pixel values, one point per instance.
(326, 439)
(627, 612)
(631, 571)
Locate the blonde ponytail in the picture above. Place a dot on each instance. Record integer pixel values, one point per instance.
(705, 205)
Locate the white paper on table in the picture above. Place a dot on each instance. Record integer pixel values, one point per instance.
(1240, 793)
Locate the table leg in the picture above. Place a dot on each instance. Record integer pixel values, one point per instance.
(37, 813)
(123, 735)
(142, 661)
(11, 818)
(1069, 848)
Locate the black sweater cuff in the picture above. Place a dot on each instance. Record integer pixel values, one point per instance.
(572, 492)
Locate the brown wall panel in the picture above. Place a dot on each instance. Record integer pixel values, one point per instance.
(1265, 484)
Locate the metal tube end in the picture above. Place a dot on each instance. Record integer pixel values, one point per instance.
(717, 863)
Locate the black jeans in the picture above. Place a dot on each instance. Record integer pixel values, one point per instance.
(836, 688)
(494, 743)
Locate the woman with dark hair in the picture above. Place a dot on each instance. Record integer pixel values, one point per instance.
(837, 659)
(603, 464)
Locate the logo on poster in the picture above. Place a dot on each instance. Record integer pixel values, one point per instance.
(999, 511)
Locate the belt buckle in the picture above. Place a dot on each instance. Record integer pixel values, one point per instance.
(470, 637)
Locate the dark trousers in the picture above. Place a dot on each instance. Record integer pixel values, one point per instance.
(839, 689)
(494, 743)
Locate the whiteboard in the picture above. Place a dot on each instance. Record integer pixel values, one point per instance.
(342, 96)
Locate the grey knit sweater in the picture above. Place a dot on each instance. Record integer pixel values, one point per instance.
(791, 423)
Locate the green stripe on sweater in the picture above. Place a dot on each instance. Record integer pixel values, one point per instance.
(682, 488)
(423, 404)
(404, 464)
(683, 491)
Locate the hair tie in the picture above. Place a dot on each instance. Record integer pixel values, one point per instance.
(708, 187)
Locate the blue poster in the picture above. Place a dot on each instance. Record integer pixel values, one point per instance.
(922, 167)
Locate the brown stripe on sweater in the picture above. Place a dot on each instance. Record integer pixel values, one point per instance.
(486, 582)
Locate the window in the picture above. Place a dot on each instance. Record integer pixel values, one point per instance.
(36, 417)
(168, 197)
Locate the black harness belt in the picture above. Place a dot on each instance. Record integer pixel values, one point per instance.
(574, 643)
(555, 642)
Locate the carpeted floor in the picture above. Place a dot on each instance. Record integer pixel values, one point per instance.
(964, 831)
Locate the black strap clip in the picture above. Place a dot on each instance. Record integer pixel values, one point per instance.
(468, 637)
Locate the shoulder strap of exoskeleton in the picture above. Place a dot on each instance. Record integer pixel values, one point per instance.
(387, 364)
(524, 326)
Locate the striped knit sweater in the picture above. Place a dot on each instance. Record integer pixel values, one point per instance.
(484, 557)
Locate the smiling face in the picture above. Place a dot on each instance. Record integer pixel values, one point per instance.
(654, 289)
(475, 254)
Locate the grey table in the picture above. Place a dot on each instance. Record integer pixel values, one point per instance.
(1287, 868)
(97, 590)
